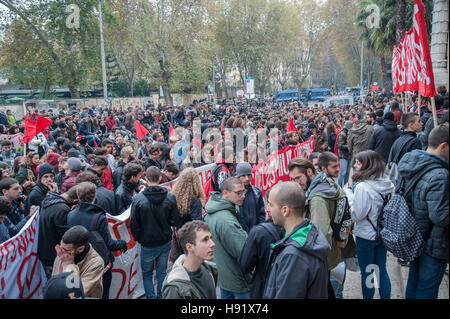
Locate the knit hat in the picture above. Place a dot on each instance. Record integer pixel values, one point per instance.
(67, 146)
(52, 159)
(312, 126)
(75, 164)
(45, 169)
(73, 153)
(243, 168)
(65, 285)
(348, 124)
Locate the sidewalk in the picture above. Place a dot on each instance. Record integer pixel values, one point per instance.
(352, 284)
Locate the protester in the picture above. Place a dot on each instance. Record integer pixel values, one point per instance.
(371, 190)
(298, 262)
(126, 155)
(132, 173)
(428, 202)
(358, 138)
(344, 154)
(193, 276)
(8, 229)
(153, 212)
(76, 256)
(44, 184)
(222, 216)
(383, 138)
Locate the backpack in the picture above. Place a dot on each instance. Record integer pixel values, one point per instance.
(392, 166)
(396, 227)
(342, 219)
(211, 185)
(97, 242)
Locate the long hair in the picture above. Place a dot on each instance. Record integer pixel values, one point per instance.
(373, 166)
(186, 188)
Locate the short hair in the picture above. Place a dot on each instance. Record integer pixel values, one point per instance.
(72, 192)
(106, 141)
(171, 167)
(152, 148)
(290, 194)
(100, 151)
(100, 161)
(379, 112)
(130, 170)
(6, 143)
(86, 192)
(76, 236)
(188, 233)
(125, 151)
(437, 136)
(408, 118)
(229, 183)
(87, 177)
(313, 156)
(7, 183)
(6, 207)
(326, 158)
(373, 115)
(153, 174)
(302, 164)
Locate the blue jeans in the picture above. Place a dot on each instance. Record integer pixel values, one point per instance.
(345, 171)
(372, 259)
(425, 276)
(225, 294)
(149, 255)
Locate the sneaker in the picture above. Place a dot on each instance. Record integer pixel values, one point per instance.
(402, 262)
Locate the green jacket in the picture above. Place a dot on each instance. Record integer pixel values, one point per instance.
(229, 237)
(358, 139)
(321, 200)
(11, 119)
(178, 285)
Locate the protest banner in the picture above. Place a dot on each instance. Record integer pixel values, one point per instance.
(22, 275)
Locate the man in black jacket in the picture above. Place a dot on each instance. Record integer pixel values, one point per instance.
(53, 225)
(408, 140)
(105, 197)
(126, 155)
(383, 138)
(153, 212)
(43, 185)
(132, 173)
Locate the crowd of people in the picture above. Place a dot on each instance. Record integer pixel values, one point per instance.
(91, 161)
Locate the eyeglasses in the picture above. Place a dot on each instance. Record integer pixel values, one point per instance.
(240, 193)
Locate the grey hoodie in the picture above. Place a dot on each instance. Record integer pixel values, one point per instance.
(367, 201)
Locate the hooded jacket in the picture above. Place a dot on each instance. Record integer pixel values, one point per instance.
(428, 200)
(358, 138)
(36, 196)
(342, 146)
(367, 202)
(69, 181)
(153, 212)
(124, 195)
(321, 198)
(222, 216)
(52, 226)
(178, 285)
(298, 265)
(407, 142)
(383, 138)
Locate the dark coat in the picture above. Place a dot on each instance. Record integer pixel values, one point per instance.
(117, 174)
(342, 146)
(196, 212)
(253, 210)
(52, 226)
(83, 216)
(428, 201)
(153, 212)
(105, 198)
(36, 196)
(383, 138)
(124, 195)
(406, 143)
(255, 254)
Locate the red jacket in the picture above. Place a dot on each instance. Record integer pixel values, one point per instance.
(107, 179)
(110, 122)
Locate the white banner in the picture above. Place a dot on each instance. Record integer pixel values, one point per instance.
(22, 275)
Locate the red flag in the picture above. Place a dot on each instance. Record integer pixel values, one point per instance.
(95, 143)
(157, 119)
(172, 132)
(412, 69)
(222, 126)
(140, 130)
(33, 128)
(291, 126)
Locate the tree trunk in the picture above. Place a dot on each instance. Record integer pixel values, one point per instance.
(401, 16)
(439, 42)
(384, 72)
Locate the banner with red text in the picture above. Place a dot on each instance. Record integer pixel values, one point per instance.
(412, 69)
(269, 173)
(22, 275)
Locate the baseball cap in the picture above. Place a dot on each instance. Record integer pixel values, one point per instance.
(65, 285)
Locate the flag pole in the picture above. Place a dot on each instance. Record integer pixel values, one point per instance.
(433, 107)
(419, 104)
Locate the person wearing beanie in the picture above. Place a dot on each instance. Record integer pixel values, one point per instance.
(383, 138)
(252, 210)
(75, 168)
(43, 185)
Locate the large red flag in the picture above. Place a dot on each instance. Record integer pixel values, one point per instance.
(34, 127)
(140, 130)
(412, 69)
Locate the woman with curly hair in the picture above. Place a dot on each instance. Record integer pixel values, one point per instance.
(189, 194)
